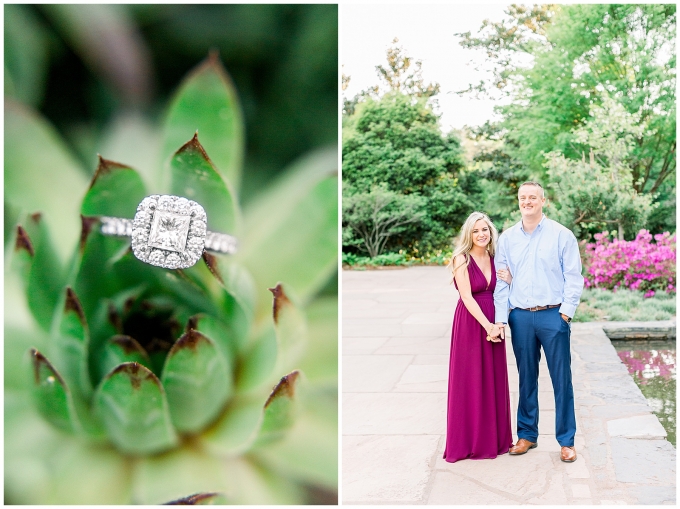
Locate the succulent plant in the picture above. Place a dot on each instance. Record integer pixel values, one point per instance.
(129, 383)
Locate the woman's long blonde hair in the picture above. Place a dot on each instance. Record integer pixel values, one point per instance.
(465, 240)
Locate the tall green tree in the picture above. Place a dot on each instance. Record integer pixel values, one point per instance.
(556, 62)
(396, 141)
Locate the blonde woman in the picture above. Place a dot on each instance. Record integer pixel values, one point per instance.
(478, 416)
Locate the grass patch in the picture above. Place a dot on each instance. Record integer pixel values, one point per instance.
(623, 305)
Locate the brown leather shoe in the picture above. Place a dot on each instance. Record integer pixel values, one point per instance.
(568, 454)
(522, 447)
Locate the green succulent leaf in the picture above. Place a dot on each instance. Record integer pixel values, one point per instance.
(291, 329)
(219, 332)
(120, 349)
(309, 451)
(194, 176)
(132, 405)
(238, 298)
(48, 180)
(237, 429)
(207, 102)
(201, 499)
(175, 473)
(279, 410)
(299, 209)
(197, 380)
(320, 360)
(52, 396)
(42, 273)
(258, 361)
(115, 191)
(71, 343)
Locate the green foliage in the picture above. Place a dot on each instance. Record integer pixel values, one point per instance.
(624, 305)
(578, 55)
(396, 141)
(383, 260)
(371, 218)
(146, 384)
(103, 74)
(590, 196)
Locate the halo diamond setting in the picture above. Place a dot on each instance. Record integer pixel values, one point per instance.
(169, 231)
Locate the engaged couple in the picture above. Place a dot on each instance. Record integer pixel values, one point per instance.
(530, 279)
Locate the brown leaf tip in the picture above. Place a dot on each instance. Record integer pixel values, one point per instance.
(128, 344)
(105, 166)
(73, 304)
(194, 145)
(36, 217)
(280, 300)
(114, 318)
(192, 323)
(211, 262)
(87, 223)
(40, 360)
(285, 387)
(136, 373)
(196, 499)
(189, 339)
(23, 242)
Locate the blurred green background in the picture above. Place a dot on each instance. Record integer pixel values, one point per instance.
(103, 74)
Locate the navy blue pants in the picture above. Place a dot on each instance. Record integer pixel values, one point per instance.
(532, 330)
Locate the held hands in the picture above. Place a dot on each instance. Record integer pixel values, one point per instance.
(496, 332)
(504, 274)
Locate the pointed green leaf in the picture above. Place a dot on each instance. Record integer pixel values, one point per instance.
(238, 296)
(70, 345)
(258, 361)
(115, 191)
(206, 102)
(218, 332)
(90, 271)
(41, 270)
(279, 410)
(133, 407)
(291, 230)
(52, 396)
(198, 381)
(237, 429)
(120, 349)
(309, 452)
(291, 329)
(42, 175)
(201, 499)
(193, 176)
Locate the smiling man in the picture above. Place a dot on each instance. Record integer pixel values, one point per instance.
(538, 299)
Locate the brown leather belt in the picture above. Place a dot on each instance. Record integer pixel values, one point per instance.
(541, 308)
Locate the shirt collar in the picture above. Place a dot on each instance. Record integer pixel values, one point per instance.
(540, 224)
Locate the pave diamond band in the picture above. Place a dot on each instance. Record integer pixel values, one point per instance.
(169, 231)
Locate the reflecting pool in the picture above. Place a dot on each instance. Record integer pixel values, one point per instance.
(652, 366)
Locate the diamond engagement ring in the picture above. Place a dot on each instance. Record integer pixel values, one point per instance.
(169, 231)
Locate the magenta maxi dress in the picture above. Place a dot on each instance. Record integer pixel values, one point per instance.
(478, 416)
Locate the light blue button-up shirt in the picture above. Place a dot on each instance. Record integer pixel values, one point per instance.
(545, 267)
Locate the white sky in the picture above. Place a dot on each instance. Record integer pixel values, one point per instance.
(426, 33)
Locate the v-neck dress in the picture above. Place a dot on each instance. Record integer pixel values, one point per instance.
(478, 410)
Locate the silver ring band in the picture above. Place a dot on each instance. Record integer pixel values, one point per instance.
(216, 242)
(169, 232)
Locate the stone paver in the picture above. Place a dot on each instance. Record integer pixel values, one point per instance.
(396, 340)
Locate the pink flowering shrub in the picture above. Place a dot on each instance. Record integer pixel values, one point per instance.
(638, 264)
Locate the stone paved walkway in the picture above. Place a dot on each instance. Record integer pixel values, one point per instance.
(396, 338)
